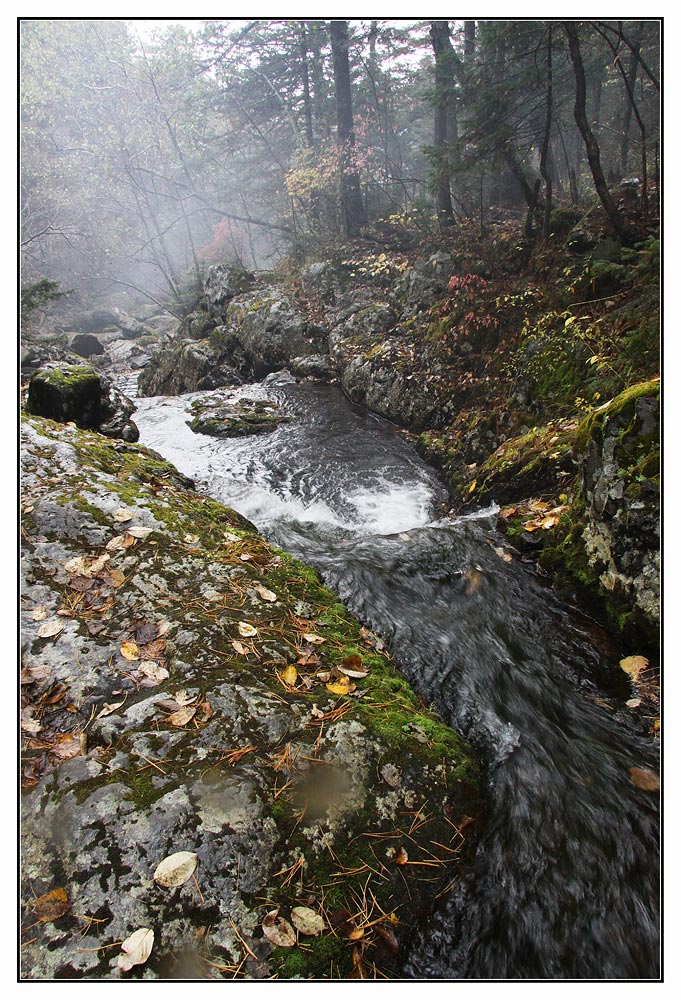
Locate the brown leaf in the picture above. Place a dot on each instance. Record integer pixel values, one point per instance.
(265, 594)
(183, 697)
(155, 650)
(642, 778)
(206, 710)
(401, 857)
(182, 716)
(151, 673)
(66, 746)
(278, 931)
(116, 577)
(146, 632)
(353, 666)
(308, 658)
(239, 647)
(116, 543)
(51, 906)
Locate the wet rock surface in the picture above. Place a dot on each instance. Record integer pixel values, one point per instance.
(174, 698)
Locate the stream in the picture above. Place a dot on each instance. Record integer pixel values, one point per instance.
(565, 880)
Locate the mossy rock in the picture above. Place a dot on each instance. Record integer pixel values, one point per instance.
(287, 790)
(218, 418)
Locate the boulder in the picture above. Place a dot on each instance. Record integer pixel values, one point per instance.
(81, 394)
(95, 320)
(223, 281)
(86, 345)
(271, 329)
(219, 416)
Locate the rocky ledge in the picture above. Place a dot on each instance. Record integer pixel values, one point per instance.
(191, 693)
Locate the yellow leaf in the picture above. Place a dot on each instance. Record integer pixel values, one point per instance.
(289, 675)
(130, 650)
(472, 486)
(634, 666)
(341, 686)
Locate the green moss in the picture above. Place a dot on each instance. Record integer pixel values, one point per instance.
(592, 426)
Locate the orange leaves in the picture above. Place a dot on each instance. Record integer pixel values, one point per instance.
(51, 906)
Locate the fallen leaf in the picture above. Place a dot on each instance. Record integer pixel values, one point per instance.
(306, 921)
(206, 710)
(137, 949)
(502, 553)
(391, 775)
(184, 698)
(138, 531)
(151, 673)
(289, 675)
(229, 536)
(633, 703)
(507, 512)
(401, 856)
(163, 627)
(246, 630)
(77, 565)
(116, 576)
(341, 686)
(146, 632)
(308, 658)
(128, 541)
(117, 542)
(98, 564)
(239, 647)
(155, 650)
(245, 557)
(278, 931)
(39, 614)
(642, 778)
(130, 650)
(66, 746)
(50, 629)
(472, 580)
(122, 515)
(634, 666)
(472, 486)
(176, 869)
(315, 639)
(353, 666)
(388, 937)
(107, 709)
(265, 594)
(182, 716)
(40, 672)
(28, 723)
(191, 539)
(51, 906)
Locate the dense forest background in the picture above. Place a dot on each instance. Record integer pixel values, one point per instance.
(146, 156)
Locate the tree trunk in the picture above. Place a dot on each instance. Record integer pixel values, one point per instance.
(305, 73)
(630, 83)
(468, 41)
(439, 34)
(593, 152)
(352, 206)
(544, 153)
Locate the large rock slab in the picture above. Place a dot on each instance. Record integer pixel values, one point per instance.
(81, 394)
(175, 698)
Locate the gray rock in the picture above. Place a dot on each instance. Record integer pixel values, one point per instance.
(86, 344)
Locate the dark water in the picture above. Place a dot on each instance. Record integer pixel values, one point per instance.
(565, 882)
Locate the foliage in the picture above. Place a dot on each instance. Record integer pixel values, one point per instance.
(39, 294)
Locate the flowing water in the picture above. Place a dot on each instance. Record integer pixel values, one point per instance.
(565, 881)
